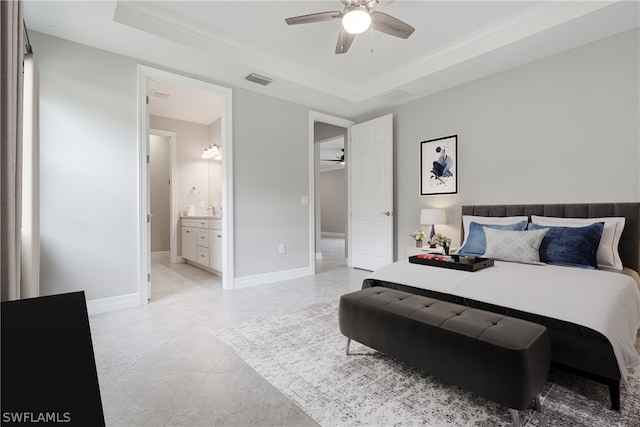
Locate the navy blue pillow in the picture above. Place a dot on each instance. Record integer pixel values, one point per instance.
(571, 246)
(476, 243)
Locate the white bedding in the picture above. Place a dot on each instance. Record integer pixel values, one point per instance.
(605, 301)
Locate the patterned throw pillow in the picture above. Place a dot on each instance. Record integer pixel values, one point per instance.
(515, 246)
(476, 242)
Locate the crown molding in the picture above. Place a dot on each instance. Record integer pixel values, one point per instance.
(534, 20)
(146, 17)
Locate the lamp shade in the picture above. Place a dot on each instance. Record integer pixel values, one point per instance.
(433, 216)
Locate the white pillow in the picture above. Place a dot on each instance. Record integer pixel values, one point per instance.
(607, 254)
(488, 220)
(515, 246)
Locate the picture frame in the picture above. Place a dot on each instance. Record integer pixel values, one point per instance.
(439, 166)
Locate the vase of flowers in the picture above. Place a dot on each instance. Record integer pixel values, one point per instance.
(419, 236)
(443, 241)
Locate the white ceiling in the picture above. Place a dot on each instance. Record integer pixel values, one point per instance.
(183, 103)
(223, 41)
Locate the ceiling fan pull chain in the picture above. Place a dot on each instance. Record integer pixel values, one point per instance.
(371, 39)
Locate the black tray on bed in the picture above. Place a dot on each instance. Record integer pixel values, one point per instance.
(477, 264)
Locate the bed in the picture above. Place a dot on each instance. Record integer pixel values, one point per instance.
(592, 315)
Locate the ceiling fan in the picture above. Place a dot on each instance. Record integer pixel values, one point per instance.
(357, 17)
(338, 159)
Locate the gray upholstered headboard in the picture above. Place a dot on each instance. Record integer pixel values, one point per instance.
(629, 247)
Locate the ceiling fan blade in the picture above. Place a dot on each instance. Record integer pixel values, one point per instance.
(393, 26)
(344, 41)
(379, 4)
(314, 17)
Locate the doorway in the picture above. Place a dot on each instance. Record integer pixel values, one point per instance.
(331, 216)
(147, 75)
(162, 175)
(160, 193)
(370, 214)
(325, 129)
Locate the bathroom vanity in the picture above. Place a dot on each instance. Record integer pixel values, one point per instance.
(202, 242)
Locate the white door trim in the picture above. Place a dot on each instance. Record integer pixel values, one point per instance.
(145, 74)
(313, 167)
(173, 213)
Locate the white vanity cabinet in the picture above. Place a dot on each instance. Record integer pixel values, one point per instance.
(189, 239)
(202, 243)
(215, 246)
(195, 241)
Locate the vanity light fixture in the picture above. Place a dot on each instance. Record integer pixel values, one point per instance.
(212, 152)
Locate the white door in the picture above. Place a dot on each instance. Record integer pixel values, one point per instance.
(371, 166)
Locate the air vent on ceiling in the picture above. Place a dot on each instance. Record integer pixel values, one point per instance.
(395, 95)
(162, 95)
(257, 78)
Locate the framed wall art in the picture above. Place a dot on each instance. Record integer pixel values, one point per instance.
(439, 166)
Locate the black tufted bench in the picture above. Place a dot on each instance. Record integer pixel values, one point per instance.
(501, 358)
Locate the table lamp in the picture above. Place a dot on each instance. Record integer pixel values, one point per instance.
(432, 217)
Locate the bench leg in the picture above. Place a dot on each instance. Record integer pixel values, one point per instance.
(515, 417)
(348, 344)
(614, 394)
(515, 414)
(536, 403)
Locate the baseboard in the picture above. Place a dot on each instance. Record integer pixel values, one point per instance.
(159, 254)
(119, 302)
(276, 276)
(331, 234)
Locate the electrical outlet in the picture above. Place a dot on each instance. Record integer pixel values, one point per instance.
(202, 205)
(282, 248)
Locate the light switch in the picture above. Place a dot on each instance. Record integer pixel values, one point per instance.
(305, 200)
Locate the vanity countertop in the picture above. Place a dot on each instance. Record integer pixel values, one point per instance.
(200, 217)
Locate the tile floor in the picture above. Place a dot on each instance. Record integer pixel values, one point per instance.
(159, 365)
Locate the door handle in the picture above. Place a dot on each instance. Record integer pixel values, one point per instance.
(387, 213)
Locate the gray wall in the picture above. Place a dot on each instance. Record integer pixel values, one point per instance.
(562, 129)
(215, 168)
(333, 200)
(271, 161)
(88, 170)
(324, 131)
(160, 192)
(89, 174)
(191, 170)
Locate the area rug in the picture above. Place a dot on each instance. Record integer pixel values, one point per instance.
(302, 353)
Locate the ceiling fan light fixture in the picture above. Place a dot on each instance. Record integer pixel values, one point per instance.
(357, 20)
